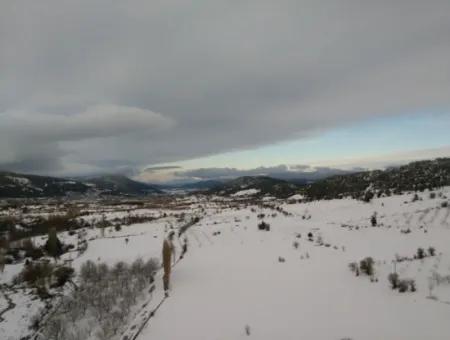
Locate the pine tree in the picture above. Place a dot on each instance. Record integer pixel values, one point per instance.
(53, 245)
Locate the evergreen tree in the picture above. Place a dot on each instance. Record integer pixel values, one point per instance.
(53, 246)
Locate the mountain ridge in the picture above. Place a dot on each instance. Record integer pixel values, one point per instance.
(17, 185)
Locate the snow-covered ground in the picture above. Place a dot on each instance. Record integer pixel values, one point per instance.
(234, 281)
(239, 282)
(246, 192)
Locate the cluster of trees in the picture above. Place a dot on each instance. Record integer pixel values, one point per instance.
(102, 302)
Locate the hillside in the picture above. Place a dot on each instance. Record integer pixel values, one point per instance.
(416, 176)
(120, 185)
(14, 185)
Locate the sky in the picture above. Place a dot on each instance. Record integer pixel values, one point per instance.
(164, 90)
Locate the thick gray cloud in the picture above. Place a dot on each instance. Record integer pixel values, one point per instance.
(98, 85)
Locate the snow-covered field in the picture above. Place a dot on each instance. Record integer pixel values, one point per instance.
(240, 282)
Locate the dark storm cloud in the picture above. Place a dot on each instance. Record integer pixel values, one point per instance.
(89, 84)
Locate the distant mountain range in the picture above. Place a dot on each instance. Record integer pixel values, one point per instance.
(415, 176)
(13, 185)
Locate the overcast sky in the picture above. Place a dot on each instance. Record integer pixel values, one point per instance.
(105, 86)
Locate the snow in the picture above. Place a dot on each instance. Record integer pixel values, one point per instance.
(232, 278)
(268, 198)
(247, 192)
(296, 197)
(10, 271)
(17, 320)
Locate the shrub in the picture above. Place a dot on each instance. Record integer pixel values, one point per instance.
(393, 280)
(264, 226)
(373, 220)
(412, 285)
(33, 273)
(42, 292)
(35, 253)
(368, 196)
(431, 251)
(31, 250)
(366, 266)
(62, 275)
(420, 253)
(403, 285)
